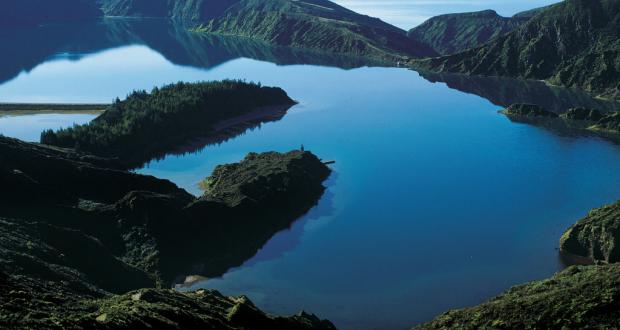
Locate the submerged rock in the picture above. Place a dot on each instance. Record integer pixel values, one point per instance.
(595, 237)
(580, 297)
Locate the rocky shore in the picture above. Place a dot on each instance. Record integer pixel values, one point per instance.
(580, 297)
(575, 120)
(583, 296)
(596, 237)
(99, 233)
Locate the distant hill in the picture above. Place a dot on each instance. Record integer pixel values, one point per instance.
(312, 24)
(452, 33)
(32, 12)
(574, 44)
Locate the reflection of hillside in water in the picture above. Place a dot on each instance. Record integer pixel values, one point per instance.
(32, 46)
(506, 91)
(222, 132)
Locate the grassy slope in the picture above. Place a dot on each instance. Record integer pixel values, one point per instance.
(596, 236)
(313, 24)
(452, 33)
(319, 25)
(576, 298)
(574, 44)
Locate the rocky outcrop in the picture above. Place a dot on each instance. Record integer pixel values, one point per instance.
(580, 297)
(141, 309)
(595, 238)
(97, 231)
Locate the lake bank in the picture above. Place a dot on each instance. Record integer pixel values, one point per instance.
(88, 209)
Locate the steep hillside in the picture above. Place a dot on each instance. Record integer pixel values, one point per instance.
(574, 44)
(32, 12)
(576, 298)
(313, 24)
(100, 240)
(452, 33)
(192, 10)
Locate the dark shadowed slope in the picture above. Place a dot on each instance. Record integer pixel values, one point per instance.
(575, 44)
(98, 232)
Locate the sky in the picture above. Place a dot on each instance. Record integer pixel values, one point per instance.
(407, 14)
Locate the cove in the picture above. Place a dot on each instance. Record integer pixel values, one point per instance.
(436, 201)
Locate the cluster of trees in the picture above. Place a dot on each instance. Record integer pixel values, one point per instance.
(146, 123)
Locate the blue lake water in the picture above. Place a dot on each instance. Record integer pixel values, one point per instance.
(436, 201)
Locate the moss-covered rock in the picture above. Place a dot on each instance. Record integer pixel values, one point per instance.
(595, 237)
(580, 297)
(96, 231)
(261, 177)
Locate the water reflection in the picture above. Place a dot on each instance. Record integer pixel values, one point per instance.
(506, 91)
(278, 245)
(34, 45)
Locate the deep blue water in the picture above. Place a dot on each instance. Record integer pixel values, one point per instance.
(436, 201)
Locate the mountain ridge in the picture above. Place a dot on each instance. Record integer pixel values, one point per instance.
(312, 24)
(573, 44)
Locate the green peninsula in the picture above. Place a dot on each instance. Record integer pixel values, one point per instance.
(145, 125)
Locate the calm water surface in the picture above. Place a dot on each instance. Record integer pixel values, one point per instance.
(436, 200)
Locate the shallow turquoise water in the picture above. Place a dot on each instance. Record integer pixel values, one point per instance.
(436, 201)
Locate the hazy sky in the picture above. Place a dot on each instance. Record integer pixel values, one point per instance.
(409, 13)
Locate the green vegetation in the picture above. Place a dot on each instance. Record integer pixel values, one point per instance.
(33, 12)
(574, 44)
(576, 298)
(185, 10)
(453, 33)
(99, 233)
(146, 124)
(595, 237)
(575, 120)
(234, 184)
(528, 110)
(313, 24)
